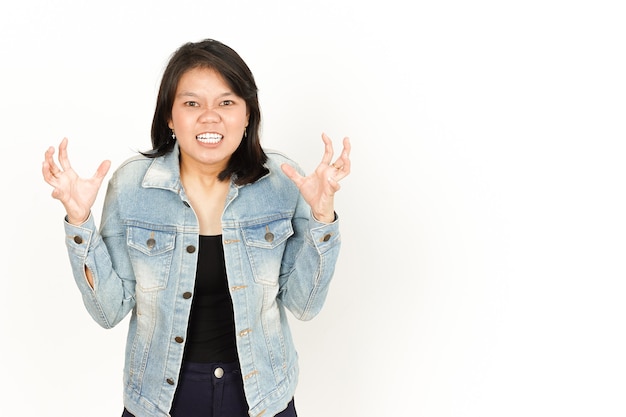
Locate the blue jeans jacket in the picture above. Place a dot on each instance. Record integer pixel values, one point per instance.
(143, 260)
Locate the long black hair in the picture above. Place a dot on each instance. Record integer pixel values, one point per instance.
(247, 163)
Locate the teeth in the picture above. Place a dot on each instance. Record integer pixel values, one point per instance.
(209, 137)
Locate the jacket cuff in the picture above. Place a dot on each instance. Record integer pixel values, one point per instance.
(324, 235)
(78, 238)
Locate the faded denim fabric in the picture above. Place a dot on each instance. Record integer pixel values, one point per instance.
(143, 260)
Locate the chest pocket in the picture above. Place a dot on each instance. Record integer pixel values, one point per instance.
(151, 252)
(265, 244)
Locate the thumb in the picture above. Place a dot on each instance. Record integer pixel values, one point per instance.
(292, 173)
(102, 170)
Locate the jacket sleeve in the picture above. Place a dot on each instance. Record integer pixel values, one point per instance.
(113, 294)
(308, 263)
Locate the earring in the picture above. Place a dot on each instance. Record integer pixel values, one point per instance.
(245, 132)
(173, 135)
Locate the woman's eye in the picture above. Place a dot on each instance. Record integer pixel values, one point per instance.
(191, 104)
(226, 103)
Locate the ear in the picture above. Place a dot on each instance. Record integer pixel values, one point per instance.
(170, 124)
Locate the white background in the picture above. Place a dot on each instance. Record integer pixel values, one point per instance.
(482, 272)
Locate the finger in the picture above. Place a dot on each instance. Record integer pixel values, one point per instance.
(57, 194)
(347, 147)
(345, 156)
(102, 170)
(49, 161)
(292, 174)
(46, 170)
(328, 149)
(334, 184)
(46, 166)
(63, 158)
(343, 162)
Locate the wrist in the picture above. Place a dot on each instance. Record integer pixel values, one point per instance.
(76, 221)
(324, 217)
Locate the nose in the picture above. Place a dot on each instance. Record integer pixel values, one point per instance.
(209, 115)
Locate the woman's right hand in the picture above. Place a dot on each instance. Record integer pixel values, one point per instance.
(76, 194)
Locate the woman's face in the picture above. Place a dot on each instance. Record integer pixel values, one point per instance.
(208, 118)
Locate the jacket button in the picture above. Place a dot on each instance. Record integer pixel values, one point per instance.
(186, 203)
(179, 339)
(269, 236)
(187, 295)
(326, 238)
(170, 381)
(78, 240)
(191, 249)
(219, 373)
(150, 243)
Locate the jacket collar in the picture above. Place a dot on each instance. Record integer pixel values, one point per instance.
(164, 172)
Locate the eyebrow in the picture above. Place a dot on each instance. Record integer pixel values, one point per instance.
(192, 94)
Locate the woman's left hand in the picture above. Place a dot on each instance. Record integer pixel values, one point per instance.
(319, 188)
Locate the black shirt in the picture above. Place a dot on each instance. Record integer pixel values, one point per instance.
(211, 331)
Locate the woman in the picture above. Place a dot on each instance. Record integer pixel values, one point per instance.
(206, 239)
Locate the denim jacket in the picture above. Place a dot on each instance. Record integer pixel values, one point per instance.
(143, 260)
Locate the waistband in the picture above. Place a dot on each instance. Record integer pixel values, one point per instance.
(210, 369)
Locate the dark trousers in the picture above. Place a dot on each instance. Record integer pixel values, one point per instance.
(212, 390)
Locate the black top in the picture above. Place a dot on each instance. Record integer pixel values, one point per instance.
(211, 331)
